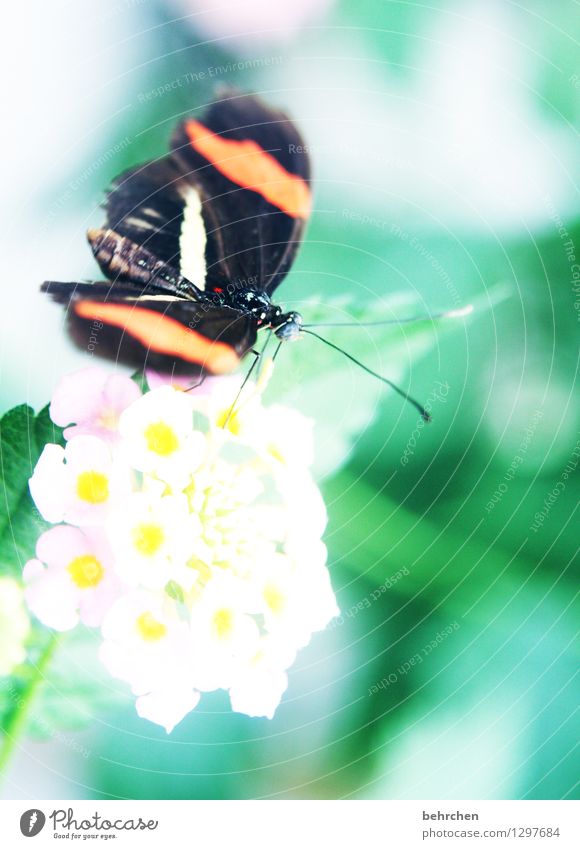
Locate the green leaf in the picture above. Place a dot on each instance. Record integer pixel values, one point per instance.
(46, 431)
(22, 438)
(140, 378)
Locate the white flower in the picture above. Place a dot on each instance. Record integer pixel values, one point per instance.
(167, 707)
(305, 517)
(14, 625)
(158, 435)
(285, 436)
(148, 645)
(228, 416)
(259, 684)
(297, 599)
(76, 584)
(151, 536)
(79, 484)
(223, 631)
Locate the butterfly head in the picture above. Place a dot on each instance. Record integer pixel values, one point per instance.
(287, 326)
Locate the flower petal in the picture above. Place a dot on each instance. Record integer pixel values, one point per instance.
(48, 483)
(167, 707)
(77, 397)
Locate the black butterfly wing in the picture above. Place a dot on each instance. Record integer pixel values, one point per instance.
(227, 207)
(155, 330)
(253, 169)
(153, 218)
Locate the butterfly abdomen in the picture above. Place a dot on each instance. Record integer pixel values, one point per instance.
(121, 258)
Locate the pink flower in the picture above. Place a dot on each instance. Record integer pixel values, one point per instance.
(195, 386)
(157, 379)
(91, 400)
(81, 484)
(72, 580)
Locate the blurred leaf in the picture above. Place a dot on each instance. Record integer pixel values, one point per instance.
(61, 687)
(336, 393)
(17, 691)
(390, 30)
(470, 576)
(491, 694)
(77, 689)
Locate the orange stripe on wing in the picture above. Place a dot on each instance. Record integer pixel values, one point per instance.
(248, 165)
(163, 334)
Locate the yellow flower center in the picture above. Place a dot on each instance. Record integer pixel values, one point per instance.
(223, 623)
(161, 439)
(86, 571)
(148, 539)
(274, 598)
(149, 628)
(93, 487)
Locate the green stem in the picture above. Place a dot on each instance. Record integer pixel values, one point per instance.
(18, 718)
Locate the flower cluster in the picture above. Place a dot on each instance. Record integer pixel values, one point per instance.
(188, 531)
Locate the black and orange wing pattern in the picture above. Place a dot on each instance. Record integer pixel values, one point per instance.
(153, 330)
(226, 208)
(253, 170)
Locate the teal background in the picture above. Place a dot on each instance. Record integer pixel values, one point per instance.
(445, 151)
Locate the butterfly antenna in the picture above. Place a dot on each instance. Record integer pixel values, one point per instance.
(257, 356)
(458, 313)
(423, 412)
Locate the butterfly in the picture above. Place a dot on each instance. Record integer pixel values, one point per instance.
(195, 244)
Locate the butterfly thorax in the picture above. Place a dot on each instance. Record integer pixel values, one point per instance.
(258, 304)
(247, 300)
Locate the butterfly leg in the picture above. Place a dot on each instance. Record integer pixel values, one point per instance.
(257, 355)
(263, 351)
(196, 385)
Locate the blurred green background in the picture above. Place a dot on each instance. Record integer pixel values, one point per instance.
(445, 154)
